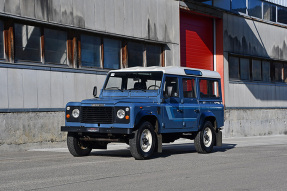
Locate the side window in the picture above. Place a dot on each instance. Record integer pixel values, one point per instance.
(209, 89)
(188, 86)
(171, 87)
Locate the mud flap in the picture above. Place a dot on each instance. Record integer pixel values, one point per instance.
(159, 143)
(218, 141)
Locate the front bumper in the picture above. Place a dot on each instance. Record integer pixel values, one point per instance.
(81, 129)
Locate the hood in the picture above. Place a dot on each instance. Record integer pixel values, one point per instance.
(116, 100)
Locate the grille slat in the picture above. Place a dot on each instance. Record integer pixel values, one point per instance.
(103, 115)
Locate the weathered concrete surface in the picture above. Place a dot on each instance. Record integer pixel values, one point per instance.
(31, 127)
(21, 131)
(255, 122)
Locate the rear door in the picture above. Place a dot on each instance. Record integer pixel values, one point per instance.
(189, 105)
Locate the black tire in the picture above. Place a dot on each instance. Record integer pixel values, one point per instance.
(205, 138)
(77, 147)
(142, 144)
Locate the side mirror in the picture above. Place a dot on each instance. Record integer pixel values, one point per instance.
(95, 91)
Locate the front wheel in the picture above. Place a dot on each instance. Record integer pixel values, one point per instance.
(142, 144)
(77, 147)
(205, 138)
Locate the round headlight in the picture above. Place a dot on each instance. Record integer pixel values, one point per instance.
(121, 113)
(76, 113)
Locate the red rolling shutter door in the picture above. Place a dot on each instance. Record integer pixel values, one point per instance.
(196, 41)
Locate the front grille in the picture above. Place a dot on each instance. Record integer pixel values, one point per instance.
(103, 115)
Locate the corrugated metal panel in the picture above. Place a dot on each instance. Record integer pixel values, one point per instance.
(196, 41)
(278, 2)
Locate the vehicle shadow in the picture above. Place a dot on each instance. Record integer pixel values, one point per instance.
(167, 150)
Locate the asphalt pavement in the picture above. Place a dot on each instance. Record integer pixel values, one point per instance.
(250, 163)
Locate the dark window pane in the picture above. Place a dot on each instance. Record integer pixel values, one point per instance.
(208, 2)
(188, 86)
(285, 73)
(1, 40)
(256, 70)
(239, 6)
(266, 71)
(278, 67)
(27, 43)
(244, 69)
(254, 8)
(55, 46)
(153, 55)
(90, 51)
(171, 87)
(269, 12)
(223, 4)
(112, 53)
(233, 67)
(282, 15)
(135, 54)
(209, 89)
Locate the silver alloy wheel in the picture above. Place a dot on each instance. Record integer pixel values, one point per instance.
(207, 137)
(146, 140)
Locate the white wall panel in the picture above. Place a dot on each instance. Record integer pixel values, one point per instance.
(44, 89)
(57, 90)
(3, 88)
(30, 89)
(69, 87)
(15, 88)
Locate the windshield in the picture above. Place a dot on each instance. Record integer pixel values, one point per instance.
(133, 81)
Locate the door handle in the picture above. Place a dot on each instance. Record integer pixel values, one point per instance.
(196, 110)
(179, 110)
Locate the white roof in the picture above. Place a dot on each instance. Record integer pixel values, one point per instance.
(170, 70)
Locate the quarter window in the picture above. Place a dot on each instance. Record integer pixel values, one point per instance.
(112, 52)
(233, 67)
(209, 89)
(135, 54)
(90, 51)
(254, 8)
(269, 12)
(244, 69)
(188, 86)
(256, 70)
(239, 6)
(55, 46)
(282, 14)
(153, 55)
(27, 43)
(266, 71)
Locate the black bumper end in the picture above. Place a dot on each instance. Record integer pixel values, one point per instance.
(96, 130)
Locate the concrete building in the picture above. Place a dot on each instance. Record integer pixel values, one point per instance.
(55, 51)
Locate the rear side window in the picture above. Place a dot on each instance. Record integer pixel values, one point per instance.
(189, 90)
(209, 89)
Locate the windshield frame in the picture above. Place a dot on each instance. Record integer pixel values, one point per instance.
(122, 89)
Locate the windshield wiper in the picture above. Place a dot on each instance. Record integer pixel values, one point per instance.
(111, 88)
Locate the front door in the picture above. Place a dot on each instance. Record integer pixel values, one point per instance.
(172, 113)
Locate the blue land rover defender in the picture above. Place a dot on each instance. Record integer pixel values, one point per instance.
(145, 107)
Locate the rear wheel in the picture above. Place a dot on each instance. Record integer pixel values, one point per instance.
(142, 144)
(77, 147)
(205, 138)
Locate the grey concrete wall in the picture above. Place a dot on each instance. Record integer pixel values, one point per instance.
(255, 122)
(31, 127)
(248, 37)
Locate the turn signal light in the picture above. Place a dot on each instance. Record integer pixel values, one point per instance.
(127, 117)
(68, 116)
